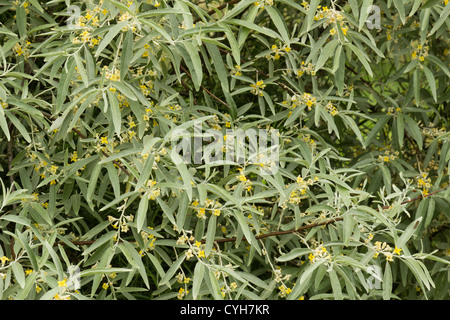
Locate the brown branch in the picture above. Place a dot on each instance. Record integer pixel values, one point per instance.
(204, 89)
(309, 226)
(279, 233)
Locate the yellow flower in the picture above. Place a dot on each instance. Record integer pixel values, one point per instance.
(62, 283)
(28, 271)
(105, 286)
(333, 31)
(38, 289)
(242, 177)
(74, 156)
(201, 254)
(4, 259)
(104, 140)
(397, 250)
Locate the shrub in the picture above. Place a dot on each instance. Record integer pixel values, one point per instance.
(213, 150)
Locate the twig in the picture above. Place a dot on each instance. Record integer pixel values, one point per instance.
(206, 90)
(309, 226)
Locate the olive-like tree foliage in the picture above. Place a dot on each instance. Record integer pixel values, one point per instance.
(136, 163)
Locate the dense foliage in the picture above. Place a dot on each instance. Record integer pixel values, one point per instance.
(136, 163)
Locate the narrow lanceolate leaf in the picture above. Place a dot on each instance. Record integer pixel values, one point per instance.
(142, 213)
(443, 18)
(127, 54)
(199, 272)
(304, 281)
(112, 33)
(219, 65)
(19, 274)
(64, 82)
(4, 124)
(364, 14)
(431, 81)
(192, 58)
(400, 6)
(407, 234)
(414, 130)
(279, 23)
(326, 53)
(115, 112)
(387, 282)
(173, 268)
(311, 13)
(362, 58)
(185, 175)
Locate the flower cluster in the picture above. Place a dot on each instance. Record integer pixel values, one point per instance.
(284, 291)
(3, 104)
(298, 100)
(246, 182)
(198, 250)
(331, 109)
(154, 3)
(300, 188)
(113, 75)
(385, 249)
(309, 69)
(420, 52)
(257, 88)
(213, 206)
(307, 138)
(181, 278)
(433, 132)
(181, 293)
(319, 253)
(332, 17)
(132, 24)
(236, 71)
(46, 168)
(388, 156)
(152, 191)
(279, 276)
(424, 182)
(25, 50)
(277, 52)
(228, 288)
(121, 222)
(149, 241)
(263, 3)
(308, 100)
(88, 23)
(392, 111)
